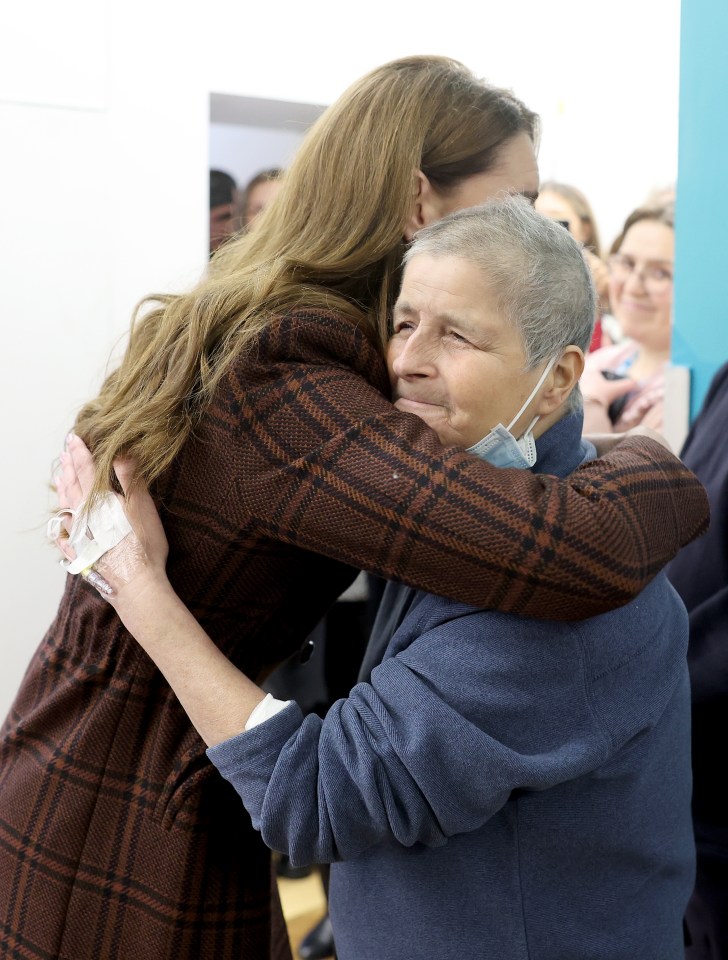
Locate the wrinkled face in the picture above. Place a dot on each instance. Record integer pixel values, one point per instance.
(640, 284)
(453, 360)
(515, 172)
(259, 198)
(553, 205)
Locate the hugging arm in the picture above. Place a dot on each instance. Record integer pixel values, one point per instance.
(312, 454)
(405, 757)
(416, 756)
(328, 465)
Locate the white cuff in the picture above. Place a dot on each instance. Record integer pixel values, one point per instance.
(267, 708)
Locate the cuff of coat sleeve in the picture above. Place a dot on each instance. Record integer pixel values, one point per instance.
(251, 751)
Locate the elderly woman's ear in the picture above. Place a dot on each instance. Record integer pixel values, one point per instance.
(562, 379)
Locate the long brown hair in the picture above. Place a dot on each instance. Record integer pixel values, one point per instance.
(331, 240)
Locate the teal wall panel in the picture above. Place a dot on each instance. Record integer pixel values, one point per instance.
(700, 336)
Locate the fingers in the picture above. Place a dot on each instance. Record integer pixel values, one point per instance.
(69, 498)
(65, 547)
(595, 386)
(111, 553)
(125, 470)
(604, 442)
(142, 513)
(81, 467)
(70, 493)
(615, 388)
(74, 484)
(642, 430)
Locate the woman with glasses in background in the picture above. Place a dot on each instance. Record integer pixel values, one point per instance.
(624, 385)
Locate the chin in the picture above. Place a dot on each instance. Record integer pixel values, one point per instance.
(449, 439)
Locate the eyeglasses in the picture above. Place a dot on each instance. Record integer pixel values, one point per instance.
(655, 274)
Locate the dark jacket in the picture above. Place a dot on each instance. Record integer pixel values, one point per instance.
(700, 575)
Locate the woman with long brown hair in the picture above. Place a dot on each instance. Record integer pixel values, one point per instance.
(257, 406)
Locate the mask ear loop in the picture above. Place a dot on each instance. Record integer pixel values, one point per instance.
(530, 397)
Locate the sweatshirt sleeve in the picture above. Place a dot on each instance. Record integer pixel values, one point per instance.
(328, 464)
(432, 747)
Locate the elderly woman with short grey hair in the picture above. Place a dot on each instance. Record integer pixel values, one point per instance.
(496, 785)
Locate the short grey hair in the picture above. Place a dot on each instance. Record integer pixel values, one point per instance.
(536, 270)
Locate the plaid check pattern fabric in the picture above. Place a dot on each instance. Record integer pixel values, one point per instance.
(118, 839)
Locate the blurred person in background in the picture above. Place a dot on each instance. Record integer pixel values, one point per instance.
(258, 193)
(224, 218)
(661, 196)
(624, 384)
(568, 205)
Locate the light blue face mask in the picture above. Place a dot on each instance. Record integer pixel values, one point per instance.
(501, 448)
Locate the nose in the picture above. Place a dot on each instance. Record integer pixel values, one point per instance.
(413, 356)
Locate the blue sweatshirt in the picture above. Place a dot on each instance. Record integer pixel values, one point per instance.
(502, 788)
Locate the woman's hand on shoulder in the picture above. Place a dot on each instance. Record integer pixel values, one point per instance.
(137, 561)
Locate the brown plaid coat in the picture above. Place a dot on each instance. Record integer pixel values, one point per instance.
(118, 839)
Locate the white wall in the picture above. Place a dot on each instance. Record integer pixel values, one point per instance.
(104, 109)
(244, 151)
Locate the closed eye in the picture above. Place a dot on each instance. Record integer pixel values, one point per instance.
(401, 326)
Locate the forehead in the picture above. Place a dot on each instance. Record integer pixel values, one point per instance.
(264, 189)
(449, 290)
(650, 240)
(516, 170)
(438, 278)
(550, 203)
